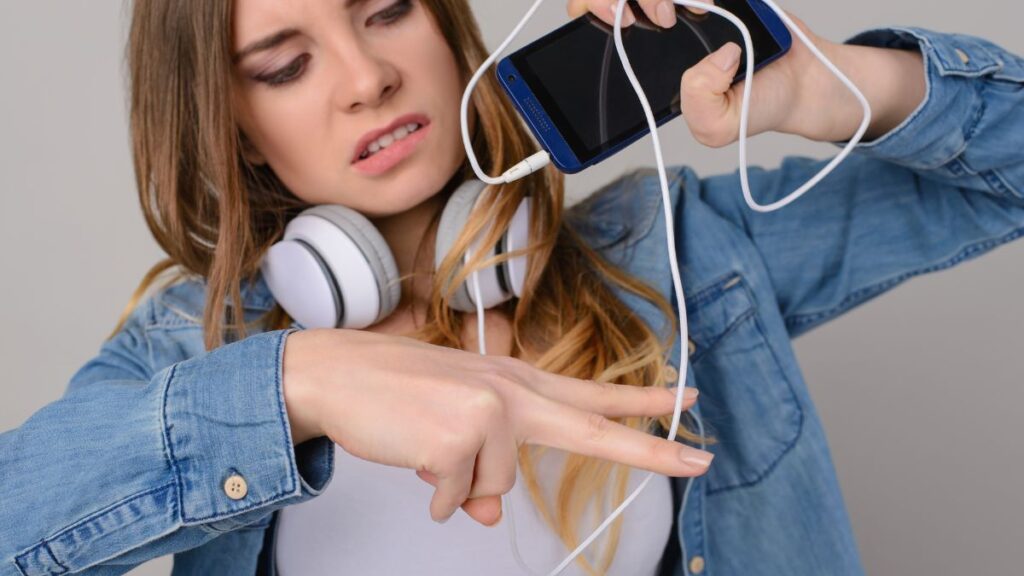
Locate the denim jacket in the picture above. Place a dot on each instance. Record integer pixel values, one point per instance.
(133, 461)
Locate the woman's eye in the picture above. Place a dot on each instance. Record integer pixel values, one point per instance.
(294, 69)
(393, 13)
(284, 75)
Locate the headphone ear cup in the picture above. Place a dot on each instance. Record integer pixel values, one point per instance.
(517, 237)
(375, 252)
(379, 290)
(353, 259)
(302, 284)
(495, 282)
(453, 219)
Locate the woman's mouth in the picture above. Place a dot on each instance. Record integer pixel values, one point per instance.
(387, 150)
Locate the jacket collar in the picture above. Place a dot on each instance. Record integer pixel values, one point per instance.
(256, 294)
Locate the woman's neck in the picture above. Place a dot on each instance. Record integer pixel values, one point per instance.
(411, 238)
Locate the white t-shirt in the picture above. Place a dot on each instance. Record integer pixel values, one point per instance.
(374, 519)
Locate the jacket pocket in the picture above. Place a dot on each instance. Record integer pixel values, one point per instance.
(747, 402)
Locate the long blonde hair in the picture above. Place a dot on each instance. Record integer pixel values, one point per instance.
(215, 215)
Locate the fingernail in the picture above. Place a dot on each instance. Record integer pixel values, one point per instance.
(444, 520)
(727, 56)
(697, 458)
(627, 14)
(666, 13)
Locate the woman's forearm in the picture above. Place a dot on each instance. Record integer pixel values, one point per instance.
(892, 80)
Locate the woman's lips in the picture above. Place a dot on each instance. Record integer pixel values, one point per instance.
(389, 157)
(372, 135)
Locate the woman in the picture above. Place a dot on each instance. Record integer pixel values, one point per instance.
(206, 426)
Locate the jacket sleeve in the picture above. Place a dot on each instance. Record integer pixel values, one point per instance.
(129, 465)
(944, 186)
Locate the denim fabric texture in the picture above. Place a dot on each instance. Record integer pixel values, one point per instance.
(130, 463)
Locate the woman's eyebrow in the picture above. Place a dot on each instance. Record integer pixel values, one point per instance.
(265, 44)
(277, 38)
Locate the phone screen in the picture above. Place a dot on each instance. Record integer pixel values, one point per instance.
(576, 75)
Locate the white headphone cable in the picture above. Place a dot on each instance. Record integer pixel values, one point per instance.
(541, 159)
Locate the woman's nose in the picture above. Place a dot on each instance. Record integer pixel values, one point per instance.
(366, 80)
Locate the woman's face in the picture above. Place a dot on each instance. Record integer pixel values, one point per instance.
(316, 80)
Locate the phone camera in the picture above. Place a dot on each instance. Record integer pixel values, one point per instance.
(511, 77)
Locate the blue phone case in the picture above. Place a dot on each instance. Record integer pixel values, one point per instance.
(546, 131)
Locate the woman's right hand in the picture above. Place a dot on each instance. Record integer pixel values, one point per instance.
(458, 418)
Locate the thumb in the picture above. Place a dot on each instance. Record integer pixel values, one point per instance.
(705, 99)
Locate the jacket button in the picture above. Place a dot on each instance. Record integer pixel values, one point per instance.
(235, 487)
(691, 345)
(963, 56)
(670, 375)
(696, 564)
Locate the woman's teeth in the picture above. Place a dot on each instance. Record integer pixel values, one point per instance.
(388, 139)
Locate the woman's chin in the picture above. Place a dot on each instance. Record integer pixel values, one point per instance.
(398, 201)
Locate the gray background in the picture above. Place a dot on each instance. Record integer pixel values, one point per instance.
(918, 390)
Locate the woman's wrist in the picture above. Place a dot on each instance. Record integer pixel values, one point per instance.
(892, 80)
(300, 396)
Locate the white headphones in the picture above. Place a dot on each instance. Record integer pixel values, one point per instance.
(333, 268)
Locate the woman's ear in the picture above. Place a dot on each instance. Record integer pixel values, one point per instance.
(249, 151)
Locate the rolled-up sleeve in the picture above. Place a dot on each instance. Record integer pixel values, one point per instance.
(131, 464)
(970, 126)
(944, 186)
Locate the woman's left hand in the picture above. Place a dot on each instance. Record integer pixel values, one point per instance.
(796, 94)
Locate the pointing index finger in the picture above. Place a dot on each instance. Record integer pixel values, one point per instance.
(568, 428)
(613, 400)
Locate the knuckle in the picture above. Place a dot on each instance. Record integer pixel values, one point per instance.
(700, 133)
(508, 362)
(661, 450)
(509, 484)
(608, 397)
(720, 139)
(504, 367)
(494, 484)
(709, 137)
(687, 79)
(653, 397)
(487, 404)
(696, 82)
(505, 373)
(597, 427)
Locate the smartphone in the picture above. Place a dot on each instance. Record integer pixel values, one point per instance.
(572, 91)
